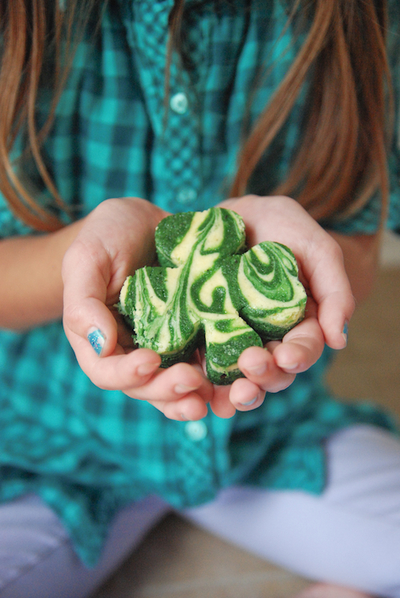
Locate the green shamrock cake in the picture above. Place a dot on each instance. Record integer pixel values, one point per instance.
(209, 290)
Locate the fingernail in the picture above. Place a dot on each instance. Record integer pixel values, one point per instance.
(97, 339)
(288, 366)
(250, 402)
(345, 331)
(182, 388)
(146, 368)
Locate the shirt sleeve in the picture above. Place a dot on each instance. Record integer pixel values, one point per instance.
(10, 225)
(393, 46)
(366, 221)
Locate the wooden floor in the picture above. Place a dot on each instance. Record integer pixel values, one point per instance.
(177, 560)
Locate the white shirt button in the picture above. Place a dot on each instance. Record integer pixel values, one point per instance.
(186, 195)
(179, 103)
(196, 431)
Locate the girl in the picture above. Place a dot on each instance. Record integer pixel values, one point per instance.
(171, 106)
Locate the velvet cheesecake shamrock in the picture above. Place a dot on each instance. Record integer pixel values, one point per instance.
(209, 290)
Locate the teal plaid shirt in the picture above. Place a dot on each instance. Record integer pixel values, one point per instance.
(88, 452)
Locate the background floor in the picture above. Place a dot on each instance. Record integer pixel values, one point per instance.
(177, 560)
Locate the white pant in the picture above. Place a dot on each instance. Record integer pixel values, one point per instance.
(350, 535)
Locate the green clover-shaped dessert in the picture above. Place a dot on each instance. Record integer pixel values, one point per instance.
(209, 290)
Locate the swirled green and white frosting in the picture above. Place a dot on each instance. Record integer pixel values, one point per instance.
(209, 290)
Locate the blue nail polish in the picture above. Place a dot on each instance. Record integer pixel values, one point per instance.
(96, 339)
(345, 332)
(250, 402)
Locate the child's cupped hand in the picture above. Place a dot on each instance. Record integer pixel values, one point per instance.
(118, 237)
(329, 308)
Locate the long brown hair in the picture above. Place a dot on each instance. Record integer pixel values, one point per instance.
(341, 159)
(32, 32)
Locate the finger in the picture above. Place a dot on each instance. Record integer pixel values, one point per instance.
(119, 371)
(254, 363)
(180, 392)
(138, 375)
(301, 347)
(220, 403)
(173, 383)
(86, 276)
(245, 395)
(260, 368)
(331, 290)
(190, 408)
(334, 313)
(92, 321)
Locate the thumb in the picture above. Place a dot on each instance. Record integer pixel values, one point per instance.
(85, 314)
(91, 320)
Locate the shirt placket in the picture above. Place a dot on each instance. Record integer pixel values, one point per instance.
(176, 152)
(194, 472)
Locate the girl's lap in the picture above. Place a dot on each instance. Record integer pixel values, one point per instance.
(348, 536)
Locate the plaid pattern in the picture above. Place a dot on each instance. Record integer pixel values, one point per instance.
(87, 452)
